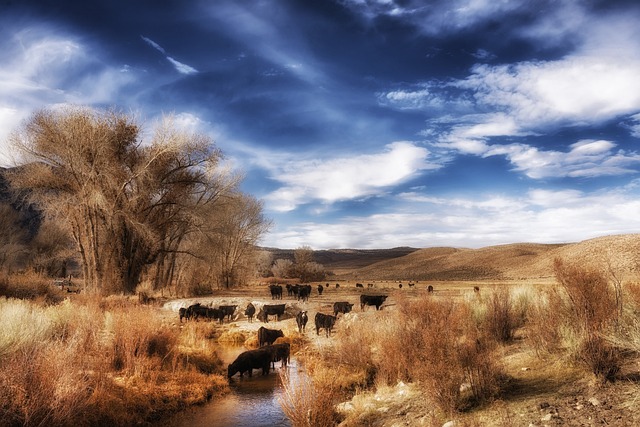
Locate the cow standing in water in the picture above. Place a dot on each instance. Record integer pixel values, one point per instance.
(268, 336)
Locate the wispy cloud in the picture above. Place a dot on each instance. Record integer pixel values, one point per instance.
(179, 66)
(346, 178)
(540, 215)
(43, 66)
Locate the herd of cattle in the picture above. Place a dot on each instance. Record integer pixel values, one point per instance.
(269, 352)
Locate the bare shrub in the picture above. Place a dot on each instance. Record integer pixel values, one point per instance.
(545, 320)
(501, 320)
(310, 400)
(593, 304)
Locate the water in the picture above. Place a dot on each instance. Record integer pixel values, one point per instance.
(251, 402)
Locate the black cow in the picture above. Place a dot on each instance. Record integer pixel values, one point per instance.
(182, 313)
(341, 307)
(326, 322)
(189, 312)
(376, 300)
(430, 289)
(303, 292)
(197, 311)
(250, 311)
(280, 352)
(369, 285)
(271, 310)
(268, 336)
(301, 320)
(250, 360)
(216, 314)
(276, 291)
(359, 285)
(320, 289)
(227, 311)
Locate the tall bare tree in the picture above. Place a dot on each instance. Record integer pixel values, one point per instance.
(125, 202)
(237, 224)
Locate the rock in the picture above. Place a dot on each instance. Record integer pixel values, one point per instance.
(594, 401)
(449, 424)
(547, 417)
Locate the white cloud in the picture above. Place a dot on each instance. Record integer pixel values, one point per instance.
(179, 66)
(540, 216)
(345, 178)
(41, 67)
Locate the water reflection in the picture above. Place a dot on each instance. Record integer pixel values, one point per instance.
(252, 402)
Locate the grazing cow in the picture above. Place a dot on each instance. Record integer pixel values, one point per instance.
(216, 314)
(337, 285)
(271, 310)
(182, 313)
(280, 352)
(250, 360)
(476, 289)
(301, 320)
(411, 285)
(197, 311)
(430, 289)
(268, 336)
(324, 321)
(250, 311)
(227, 311)
(376, 300)
(400, 286)
(341, 307)
(359, 285)
(303, 292)
(369, 285)
(320, 289)
(276, 291)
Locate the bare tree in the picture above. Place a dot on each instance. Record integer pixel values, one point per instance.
(237, 224)
(125, 202)
(282, 268)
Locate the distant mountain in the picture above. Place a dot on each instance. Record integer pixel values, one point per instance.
(340, 260)
(619, 254)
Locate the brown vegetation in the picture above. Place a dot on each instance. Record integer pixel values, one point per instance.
(77, 363)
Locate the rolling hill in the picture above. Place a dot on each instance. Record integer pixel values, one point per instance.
(619, 254)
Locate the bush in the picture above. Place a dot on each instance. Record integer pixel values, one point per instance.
(594, 310)
(501, 319)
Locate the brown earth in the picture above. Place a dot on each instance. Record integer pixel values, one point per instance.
(513, 262)
(539, 392)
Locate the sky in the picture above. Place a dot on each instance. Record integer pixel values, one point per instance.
(366, 123)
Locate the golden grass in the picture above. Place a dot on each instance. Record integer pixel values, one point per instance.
(82, 364)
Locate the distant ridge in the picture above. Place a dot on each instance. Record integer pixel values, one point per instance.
(619, 254)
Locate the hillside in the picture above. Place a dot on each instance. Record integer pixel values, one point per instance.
(519, 261)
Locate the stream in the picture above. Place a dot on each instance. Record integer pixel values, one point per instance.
(251, 402)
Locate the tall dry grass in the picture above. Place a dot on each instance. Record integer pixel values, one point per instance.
(310, 400)
(581, 320)
(81, 364)
(434, 343)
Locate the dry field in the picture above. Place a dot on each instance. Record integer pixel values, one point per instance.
(537, 345)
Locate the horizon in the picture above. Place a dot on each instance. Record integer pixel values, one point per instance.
(363, 123)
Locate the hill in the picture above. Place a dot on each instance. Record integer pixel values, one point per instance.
(519, 261)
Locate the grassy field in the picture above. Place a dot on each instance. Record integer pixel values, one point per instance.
(515, 353)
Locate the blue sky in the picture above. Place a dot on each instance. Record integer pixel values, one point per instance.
(367, 123)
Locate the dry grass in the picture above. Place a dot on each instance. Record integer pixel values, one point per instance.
(79, 364)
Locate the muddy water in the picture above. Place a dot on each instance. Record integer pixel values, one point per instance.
(252, 402)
